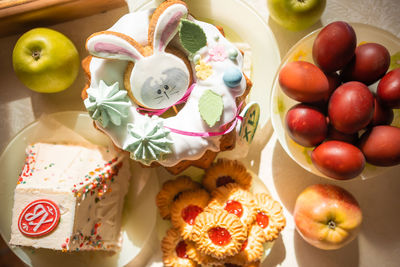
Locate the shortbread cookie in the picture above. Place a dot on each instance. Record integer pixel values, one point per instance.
(171, 191)
(252, 249)
(226, 171)
(269, 218)
(218, 234)
(234, 199)
(176, 251)
(186, 208)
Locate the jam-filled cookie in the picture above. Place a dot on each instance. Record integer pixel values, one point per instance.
(218, 233)
(252, 249)
(176, 251)
(186, 208)
(226, 171)
(235, 200)
(269, 217)
(171, 191)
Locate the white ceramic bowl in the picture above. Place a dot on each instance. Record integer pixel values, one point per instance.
(281, 103)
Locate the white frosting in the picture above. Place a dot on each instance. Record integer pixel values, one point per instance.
(65, 174)
(164, 85)
(188, 119)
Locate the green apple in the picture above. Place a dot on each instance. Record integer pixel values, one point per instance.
(296, 15)
(45, 60)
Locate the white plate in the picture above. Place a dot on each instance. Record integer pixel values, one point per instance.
(243, 24)
(139, 212)
(281, 103)
(162, 226)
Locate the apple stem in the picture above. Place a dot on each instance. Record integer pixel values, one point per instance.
(36, 55)
(331, 224)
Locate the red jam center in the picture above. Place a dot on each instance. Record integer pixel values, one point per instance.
(234, 207)
(219, 236)
(262, 220)
(223, 180)
(190, 213)
(181, 250)
(244, 245)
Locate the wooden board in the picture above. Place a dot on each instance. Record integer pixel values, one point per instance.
(17, 16)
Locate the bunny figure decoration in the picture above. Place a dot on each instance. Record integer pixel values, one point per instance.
(156, 77)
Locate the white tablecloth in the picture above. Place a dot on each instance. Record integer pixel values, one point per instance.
(378, 243)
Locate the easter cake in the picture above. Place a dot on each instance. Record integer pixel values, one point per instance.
(166, 87)
(70, 198)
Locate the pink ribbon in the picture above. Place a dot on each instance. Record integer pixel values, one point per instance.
(208, 134)
(159, 112)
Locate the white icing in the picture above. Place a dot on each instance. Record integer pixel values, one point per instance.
(164, 85)
(62, 174)
(188, 119)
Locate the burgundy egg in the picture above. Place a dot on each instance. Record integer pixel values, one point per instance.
(304, 82)
(334, 134)
(383, 115)
(338, 160)
(306, 125)
(381, 145)
(334, 46)
(389, 89)
(351, 107)
(370, 63)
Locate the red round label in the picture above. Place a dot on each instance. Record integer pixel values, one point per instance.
(38, 218)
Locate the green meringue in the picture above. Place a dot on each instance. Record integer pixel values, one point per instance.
(149, 141)
(107, 103)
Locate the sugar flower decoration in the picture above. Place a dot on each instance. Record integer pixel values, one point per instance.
(217, 53)
(148, 142)
(203, 71)
(107, 104)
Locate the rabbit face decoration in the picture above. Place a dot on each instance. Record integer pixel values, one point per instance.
(156, 81)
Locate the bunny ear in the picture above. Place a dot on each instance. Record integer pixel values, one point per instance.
(114, 45)
(164, 23)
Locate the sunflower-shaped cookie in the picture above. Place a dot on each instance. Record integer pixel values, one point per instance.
(218, 233)
(252, 249)
(171, 191)
(269, 217)
(226, 171)
(235, 200)
(186, 208)
(176, 251)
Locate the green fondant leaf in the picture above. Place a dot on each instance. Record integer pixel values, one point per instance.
(192, 36)
(210, 107)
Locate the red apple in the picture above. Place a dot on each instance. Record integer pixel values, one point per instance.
(327, 216)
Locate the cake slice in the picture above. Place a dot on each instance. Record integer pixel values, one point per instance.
(70, 198)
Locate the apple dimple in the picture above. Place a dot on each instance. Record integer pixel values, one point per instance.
(219, 236)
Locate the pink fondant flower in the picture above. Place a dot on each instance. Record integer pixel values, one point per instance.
(217, 53)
